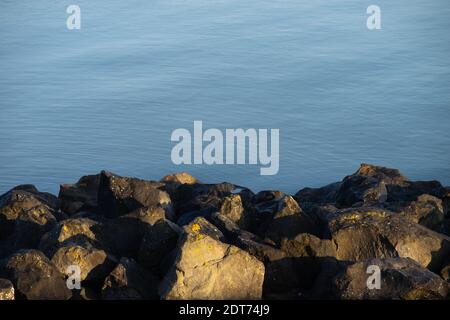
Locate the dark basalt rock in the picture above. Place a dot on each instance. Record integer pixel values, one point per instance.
(365, 233)
(6, 290)
(368, 186)
(288, 221)
(129, 281)
(34, 276)
(400, 279)
(207, 268)
(118, 195)
(81, 196)
(158, 241)
(182, 239)
(25, 215)
(322, 195)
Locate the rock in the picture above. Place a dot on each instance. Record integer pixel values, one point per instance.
(206, 268)
(6, 290)
(157, 243)
(426, 210)
(118, 196)
(94, 264)
(266, 204)
(367, 185)
(85, 294)
(70, 231)
(81, 196)
(29, 210)
(322, 195)
(129, 281)
(123, 236)
(232, 208)
(34, 276)
(410, 190)
(303, 261)
(308, 245)
(446, 203)
(179, 178)
(400, 279)
(289, 221)
(198, 197)
(366, 233)
(445, 273)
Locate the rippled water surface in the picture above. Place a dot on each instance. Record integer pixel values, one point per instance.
(109, 95)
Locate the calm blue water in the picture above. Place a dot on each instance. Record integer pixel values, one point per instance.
(109, 95)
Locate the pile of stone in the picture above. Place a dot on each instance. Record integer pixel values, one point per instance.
(373, 235)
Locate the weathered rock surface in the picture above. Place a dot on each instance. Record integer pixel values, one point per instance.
(157, 243)
(81, 196)
(34, 276)
(182, 239)
(25, 215)
(206, 268)
(400, 279)
(94, 264)
(427, 210)
(129, 281)
(118, 195)
(6, 290)
(365, 233)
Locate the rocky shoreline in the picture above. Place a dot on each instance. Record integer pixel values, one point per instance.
(179, 238)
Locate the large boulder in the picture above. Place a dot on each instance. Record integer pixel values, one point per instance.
(179, 178)
(288, 221)
(206, 268)
(365, 233)
(368, 185)
(401, 278)
(157, 242)
(323, 195)
(70, 231)
(233, 208)
(129, 281)
(6, 290)
(120, 236)
(25, 215)
(34, 276)
(81, 196)
(118, 195)
(95, 264)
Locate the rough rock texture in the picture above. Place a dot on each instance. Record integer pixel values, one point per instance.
(426, 210)
(70, 231)
(232, 208)
(365, 233)
(288, 221)
(95, 264)
(6, 290)
(400, 279)
(157, 242)
(118, 196)
(445, 273)
(34, 276)
(206, 268)
(80, 196)
(25, 215)
(129, 281)
(180, 238)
